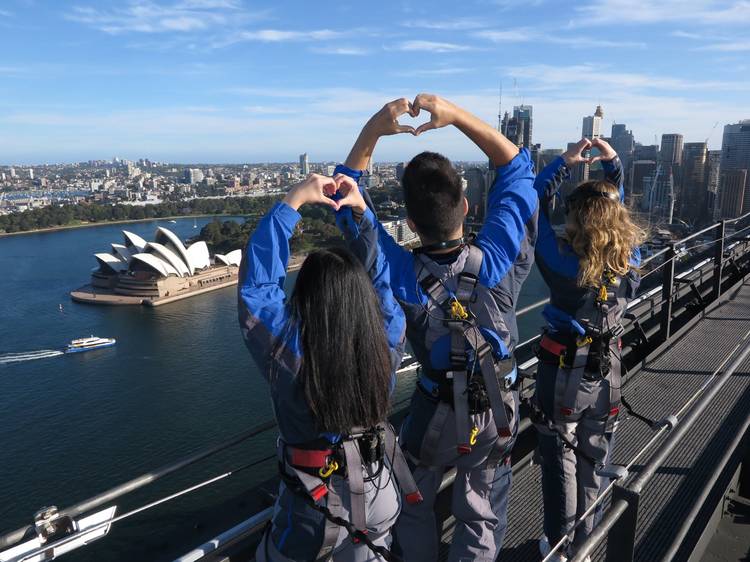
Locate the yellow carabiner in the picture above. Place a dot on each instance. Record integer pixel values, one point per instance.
(580, 342)
(602, 293)
(326, 471)
(562, 361)
(458, 311)
(473, 436)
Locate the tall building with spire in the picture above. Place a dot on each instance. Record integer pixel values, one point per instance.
(592, 125)
(524, 114)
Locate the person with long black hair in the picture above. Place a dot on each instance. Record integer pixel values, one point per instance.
(329, 355)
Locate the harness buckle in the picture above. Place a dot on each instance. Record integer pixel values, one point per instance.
(330, 468)
(473, 436)
(458, 311)
(319, 492)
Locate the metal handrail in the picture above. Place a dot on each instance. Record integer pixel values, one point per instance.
(14, 536)
(620, 505)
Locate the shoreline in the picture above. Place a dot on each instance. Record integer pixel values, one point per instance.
(105, 223)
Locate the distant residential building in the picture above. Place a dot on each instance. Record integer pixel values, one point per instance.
(735, 150)
(194, 175)
(400, 231)
(31, 173)
(694, 188)
(733, 193)
(592, 125)
(304, 165)
(12, 173)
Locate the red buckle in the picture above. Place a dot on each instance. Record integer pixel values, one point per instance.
(566, 411)
(309, 458)
(555, 348)
(319, 492)
(614, 411)
(464, 449)
(505, 432)
(355, 539)
(414, 497)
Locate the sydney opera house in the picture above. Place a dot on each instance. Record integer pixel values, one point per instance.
(154, 273)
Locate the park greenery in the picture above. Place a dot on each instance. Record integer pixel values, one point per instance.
(93, 213)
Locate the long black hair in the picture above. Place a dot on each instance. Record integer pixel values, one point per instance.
(346, 366)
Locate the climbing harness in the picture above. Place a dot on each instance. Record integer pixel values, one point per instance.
(306, 470)
(469, 390)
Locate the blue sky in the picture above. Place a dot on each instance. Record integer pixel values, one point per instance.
(254, 81)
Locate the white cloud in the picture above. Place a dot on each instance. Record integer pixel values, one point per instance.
(346, 51)
(701, 12)
(727, 47)
(147, 16)
(457, 24)
(431, 46)
(526, 34)
(278, 36)
(446, 71)
(5, 14)
(511, 36)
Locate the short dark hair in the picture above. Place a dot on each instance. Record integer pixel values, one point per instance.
(433, 196)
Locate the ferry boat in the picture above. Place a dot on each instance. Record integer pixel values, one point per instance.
(87, 344)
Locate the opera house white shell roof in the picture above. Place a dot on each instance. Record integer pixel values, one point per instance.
(166, 256)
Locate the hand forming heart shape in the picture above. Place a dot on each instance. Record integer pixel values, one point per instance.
(385, 122)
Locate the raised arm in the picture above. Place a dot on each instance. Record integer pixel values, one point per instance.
(498, 149)
(359, 225)
(383, 123)
(262, 311)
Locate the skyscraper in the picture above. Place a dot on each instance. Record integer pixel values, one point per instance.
(400, 167)
(713, 183)
(641, 175)
(671, 149)
(592, 125)
(514, 129)
(732, 193)
(624, 144)
(304, 165)
(694, 189)
(523, 114)
(475, 192)
(735, 153)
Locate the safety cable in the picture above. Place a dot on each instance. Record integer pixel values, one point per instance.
(564, 540)
(71, 538)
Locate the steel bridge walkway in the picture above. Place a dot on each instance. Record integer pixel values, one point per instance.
(660, 388)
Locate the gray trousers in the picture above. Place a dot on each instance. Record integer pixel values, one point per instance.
(297, 530)
(480, 492)
(569, 482)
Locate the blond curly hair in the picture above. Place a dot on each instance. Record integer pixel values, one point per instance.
(602, 234)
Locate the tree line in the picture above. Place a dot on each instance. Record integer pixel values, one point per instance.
(86, 213)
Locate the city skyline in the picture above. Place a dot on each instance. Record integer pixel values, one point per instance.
(226, 81)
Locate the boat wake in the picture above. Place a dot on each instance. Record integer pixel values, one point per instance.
(28, 355)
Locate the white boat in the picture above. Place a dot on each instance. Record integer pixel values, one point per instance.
(87, 344)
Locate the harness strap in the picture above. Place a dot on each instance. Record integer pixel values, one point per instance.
(400, 467)
(308, 458)
(460, 391)
(490, 375)
(356, 485)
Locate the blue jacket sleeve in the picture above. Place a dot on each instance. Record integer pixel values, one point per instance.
(613, 173)
(362, 239)
(399, 259)
(262, 307)
(547, 186)
(511, 204)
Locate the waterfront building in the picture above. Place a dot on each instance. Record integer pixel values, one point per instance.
(164, 270)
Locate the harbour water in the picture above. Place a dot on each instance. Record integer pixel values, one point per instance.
(178, 380)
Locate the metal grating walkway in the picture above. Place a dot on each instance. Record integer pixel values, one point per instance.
(662, 387)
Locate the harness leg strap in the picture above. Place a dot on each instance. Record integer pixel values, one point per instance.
(356, 485)
(400, 468)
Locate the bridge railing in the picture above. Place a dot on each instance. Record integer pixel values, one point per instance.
(651, 321)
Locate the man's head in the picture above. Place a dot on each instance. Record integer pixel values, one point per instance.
(435, 202)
